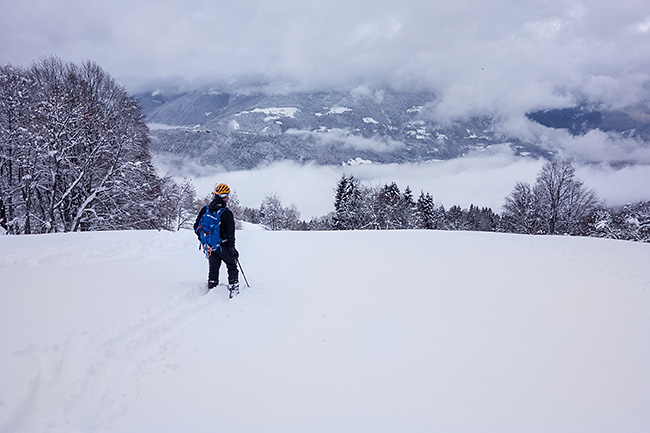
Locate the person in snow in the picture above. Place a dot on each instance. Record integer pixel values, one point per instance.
(227, 253)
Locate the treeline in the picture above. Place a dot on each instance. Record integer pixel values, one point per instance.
(271, 214)
(631, 222)
(558, 203)
(358, 207)
(374, 213)
(74, 155)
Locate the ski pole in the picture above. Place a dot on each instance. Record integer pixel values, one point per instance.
(242, 272)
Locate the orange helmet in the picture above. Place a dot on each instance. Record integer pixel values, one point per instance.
(222, 188)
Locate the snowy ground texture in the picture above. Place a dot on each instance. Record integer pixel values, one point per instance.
(402, 331)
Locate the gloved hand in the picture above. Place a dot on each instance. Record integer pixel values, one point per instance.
(234, 252)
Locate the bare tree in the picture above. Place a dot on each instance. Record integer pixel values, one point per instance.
(16, 170)
(179, 204)
(73, 152)
(276, 217)
(519, 211)
(563, 203)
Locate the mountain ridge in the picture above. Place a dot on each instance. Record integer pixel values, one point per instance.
(244, 130)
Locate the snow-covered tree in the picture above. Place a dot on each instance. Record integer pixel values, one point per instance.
(389, 205)
(17, 172)
(348, 204)
(426, 212)
(440, 218)
(73, 152)
(520, 211)
(325, 222)
(603, 225)
(179, 204)
(633, 222)
(481, 219)
(276, 217)
(563, 203)
(455, 218)
(408, 210)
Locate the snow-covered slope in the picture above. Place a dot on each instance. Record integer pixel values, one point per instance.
(244, 131)
(340, 332)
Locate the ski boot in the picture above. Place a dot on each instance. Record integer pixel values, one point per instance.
(212, 284)
(234, 289)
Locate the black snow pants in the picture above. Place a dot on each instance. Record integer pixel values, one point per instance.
(215, 259)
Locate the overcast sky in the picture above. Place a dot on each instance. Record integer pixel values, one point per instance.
(503, 56)
(498, 57)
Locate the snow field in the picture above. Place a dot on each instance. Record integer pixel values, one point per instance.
(415, 331)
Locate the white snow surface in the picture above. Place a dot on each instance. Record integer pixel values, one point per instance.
(368, 331)
(335, 110)
(274, 113)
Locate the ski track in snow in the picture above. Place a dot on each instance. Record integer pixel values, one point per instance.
(73, 386)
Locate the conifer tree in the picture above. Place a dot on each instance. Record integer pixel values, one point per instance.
(389, 207)
(409, 210)
(426, 217)
(347, 204)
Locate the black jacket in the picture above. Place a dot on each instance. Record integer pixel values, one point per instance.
(227, 221)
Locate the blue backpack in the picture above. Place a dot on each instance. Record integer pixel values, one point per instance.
(209, 230)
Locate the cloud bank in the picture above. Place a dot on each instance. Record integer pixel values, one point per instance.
(482, 180)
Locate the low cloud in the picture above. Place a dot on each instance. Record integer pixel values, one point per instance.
(337, 135)
(483, 180)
